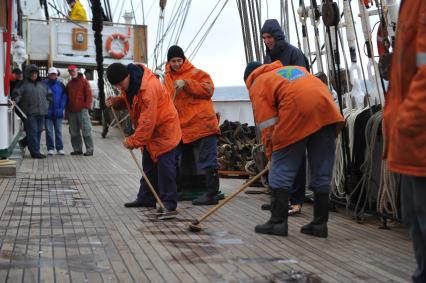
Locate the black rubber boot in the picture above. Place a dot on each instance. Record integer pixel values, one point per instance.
(212, 188)
(318, 227)
(277, 224)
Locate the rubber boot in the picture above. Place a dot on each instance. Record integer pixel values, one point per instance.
(212, 188)
(318, 227)
(277, 223)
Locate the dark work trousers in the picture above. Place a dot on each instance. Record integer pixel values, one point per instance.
(33, 127)
(207, 152)
(413, 202)
(162, 176)
(286, 161)
(297, 191)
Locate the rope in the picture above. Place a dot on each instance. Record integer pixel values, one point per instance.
(388, 191)
(295, 24)
(240, 12)
(371, 131)
(198, 46)
(201, 27)
(339, 176)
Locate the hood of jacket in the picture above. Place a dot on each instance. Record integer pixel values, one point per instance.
(32, 68)
(273, 27)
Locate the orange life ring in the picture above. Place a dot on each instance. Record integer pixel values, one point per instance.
(123, 39)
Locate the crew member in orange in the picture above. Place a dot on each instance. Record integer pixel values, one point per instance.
(157, 130)
(191, 90)
(294, 112)
(404, 122)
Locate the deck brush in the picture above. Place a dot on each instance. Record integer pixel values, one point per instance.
(194, 226)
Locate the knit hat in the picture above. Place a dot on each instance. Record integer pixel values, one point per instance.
(250, 68)
(175, 51)
(17, 71)
(72, 68)
(116, 73)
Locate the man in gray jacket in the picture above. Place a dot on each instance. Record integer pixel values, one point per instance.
(34, 98)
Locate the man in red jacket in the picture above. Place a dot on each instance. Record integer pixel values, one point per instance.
(79, 103)
(405, 123)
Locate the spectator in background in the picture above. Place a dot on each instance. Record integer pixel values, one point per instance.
(79, 103)
(55, 113)
(77, 13)
(15, 81)
(34, 97)
(17, 78)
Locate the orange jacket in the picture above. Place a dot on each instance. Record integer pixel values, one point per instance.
(153, 115)
(289, 104)
(193, 103)
(405, 109)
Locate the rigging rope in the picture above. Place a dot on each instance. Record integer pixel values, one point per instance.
(198, 46)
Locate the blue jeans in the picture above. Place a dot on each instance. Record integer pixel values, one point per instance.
(413, 200)
(162, 176)
(286, 162)
(54, 124)
(33, 128)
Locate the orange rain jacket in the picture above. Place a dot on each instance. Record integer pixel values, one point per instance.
(405, 109)
(193, 103)
(154, 117)
(289, 104)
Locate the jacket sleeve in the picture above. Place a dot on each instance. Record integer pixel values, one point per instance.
(266, 115)
(147, 119)
(49, 93)
(299, 59)
(88, 98)
(118, 102)
(412, 114)
(64, 97)
(200, 85)
(17, 93)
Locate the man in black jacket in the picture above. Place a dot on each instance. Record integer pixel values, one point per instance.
(277, 48)
(34, 98)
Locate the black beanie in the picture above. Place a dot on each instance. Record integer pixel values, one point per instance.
(175, 51)
(116, 72)
(250, 68)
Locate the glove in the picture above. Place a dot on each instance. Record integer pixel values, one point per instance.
(179, 84)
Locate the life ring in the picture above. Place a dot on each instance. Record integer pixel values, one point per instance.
(125, 42)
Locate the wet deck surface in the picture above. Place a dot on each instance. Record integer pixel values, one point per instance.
(62, 220)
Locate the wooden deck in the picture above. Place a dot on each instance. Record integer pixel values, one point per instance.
(62, 220)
